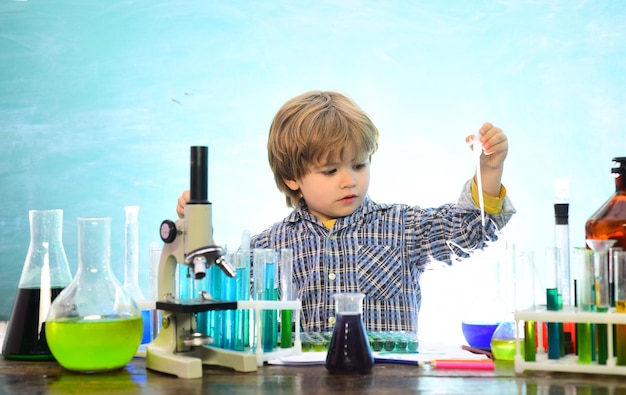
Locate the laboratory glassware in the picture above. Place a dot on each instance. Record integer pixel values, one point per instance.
(44, 275)
(349, 350)
(609, 220)
(94, 325)
(131, 267)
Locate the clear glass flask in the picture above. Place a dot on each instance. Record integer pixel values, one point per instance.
(349, 349)
(44, 275)
(94, 325)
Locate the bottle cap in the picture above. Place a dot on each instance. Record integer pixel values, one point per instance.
(561, 213)
(619, 165)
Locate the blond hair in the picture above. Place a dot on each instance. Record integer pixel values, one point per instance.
(312, 129)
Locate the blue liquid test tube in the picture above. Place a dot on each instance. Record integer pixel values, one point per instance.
(258, 256)
(242, 317)
(229, 293)
(216, 317)
(270, 321)
(554, 342)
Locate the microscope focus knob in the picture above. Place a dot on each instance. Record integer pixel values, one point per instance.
(168, 231)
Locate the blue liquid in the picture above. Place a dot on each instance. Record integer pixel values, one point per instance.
(229, 288)
(554, 347)
(216, 318)
(349, 349)
(242, 317)
(146, 316)
(270, 317)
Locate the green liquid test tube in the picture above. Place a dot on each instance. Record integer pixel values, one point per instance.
(530, 336)
(619, 265)
(585, 331)
(601, 271)
(286, 274)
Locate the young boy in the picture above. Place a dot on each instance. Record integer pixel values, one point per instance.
(320, 147)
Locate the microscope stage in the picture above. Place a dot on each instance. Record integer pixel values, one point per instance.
(195, 305)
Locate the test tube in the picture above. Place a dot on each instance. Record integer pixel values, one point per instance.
(600, 250)
(216, 317)
(242, 317)
(554, 342)
(583, 261)
(258, 256)
(155, 258)
(525, 271)
(270, 322)
(619, 265)
(286, 274)
(264, 289)
(229, 293)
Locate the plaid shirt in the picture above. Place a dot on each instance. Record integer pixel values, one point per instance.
(380, 250)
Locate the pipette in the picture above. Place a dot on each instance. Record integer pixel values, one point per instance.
(478, 150)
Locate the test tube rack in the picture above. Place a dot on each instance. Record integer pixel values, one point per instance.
(568, 363)
(257, 306)
(162, 354)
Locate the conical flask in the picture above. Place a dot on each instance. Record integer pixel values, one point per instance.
(44, 275)
(94, 325)
(349, 349)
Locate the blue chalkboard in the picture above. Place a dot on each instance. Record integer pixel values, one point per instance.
(100, 102)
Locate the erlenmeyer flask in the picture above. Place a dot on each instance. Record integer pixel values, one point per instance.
(349, 349)
(503, 341)
(44, 275)
(94, 325)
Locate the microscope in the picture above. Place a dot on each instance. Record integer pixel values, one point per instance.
(179, 349)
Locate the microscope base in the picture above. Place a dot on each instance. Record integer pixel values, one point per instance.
(188, 365)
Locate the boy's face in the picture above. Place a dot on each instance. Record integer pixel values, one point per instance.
(334, 190)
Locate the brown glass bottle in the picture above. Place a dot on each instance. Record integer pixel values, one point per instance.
(609, 222)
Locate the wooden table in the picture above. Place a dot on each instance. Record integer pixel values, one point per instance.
(18, 377)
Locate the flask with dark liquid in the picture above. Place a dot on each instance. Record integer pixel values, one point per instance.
(349, 350)
(44, 275)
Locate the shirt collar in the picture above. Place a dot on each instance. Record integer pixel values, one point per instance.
(301, 213)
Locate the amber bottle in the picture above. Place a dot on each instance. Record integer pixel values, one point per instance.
(609, 222)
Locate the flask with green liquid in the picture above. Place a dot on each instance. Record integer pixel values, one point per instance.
(94, 325)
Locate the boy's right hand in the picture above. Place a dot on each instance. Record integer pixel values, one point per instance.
(182, 201)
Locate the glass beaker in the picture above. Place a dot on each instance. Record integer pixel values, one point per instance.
(44, 275)
(94, 325)
(349, 349)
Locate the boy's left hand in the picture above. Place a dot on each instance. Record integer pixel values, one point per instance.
(495, 145)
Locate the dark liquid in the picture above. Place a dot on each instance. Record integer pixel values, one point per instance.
(349, 349)
(24, 338)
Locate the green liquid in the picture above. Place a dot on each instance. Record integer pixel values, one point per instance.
(530, 349)
(620, 334)
(94, 345)
(504, 349)
(584, 337)
(603, 345)
(285, 328)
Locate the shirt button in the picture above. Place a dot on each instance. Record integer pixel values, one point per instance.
(332, 237)
(331, 320)
(332, 276)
